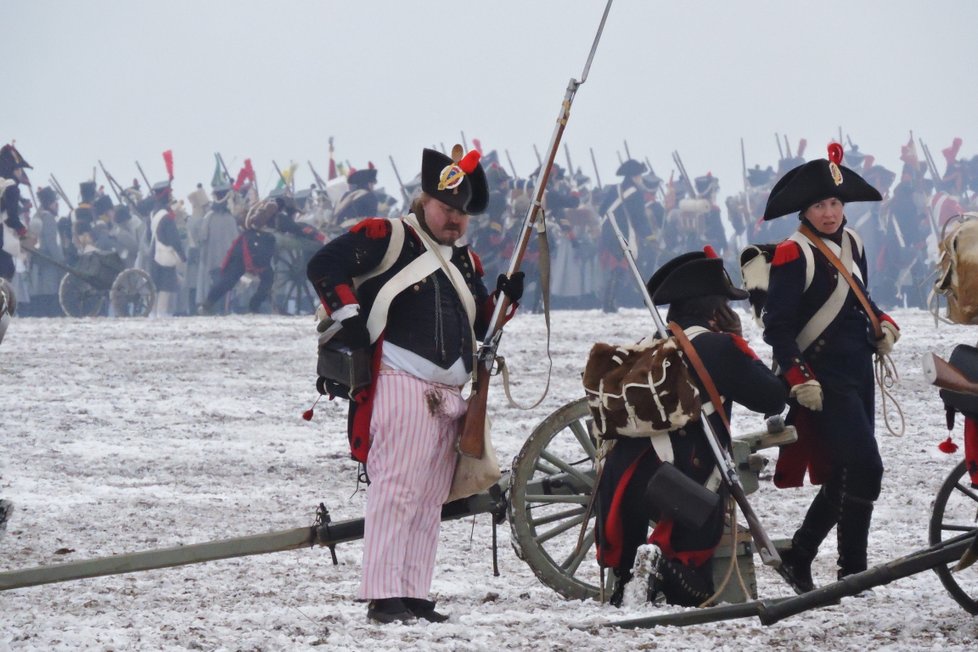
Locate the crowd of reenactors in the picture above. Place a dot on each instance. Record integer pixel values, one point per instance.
(221, 249)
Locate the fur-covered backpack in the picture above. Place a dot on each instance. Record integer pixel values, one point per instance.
(639, 390)
(957, 277)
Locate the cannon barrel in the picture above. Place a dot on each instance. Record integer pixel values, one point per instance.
(492, 501)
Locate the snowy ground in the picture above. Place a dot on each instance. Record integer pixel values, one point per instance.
(120, 436)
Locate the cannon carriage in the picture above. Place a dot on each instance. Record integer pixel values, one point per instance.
(99, 278)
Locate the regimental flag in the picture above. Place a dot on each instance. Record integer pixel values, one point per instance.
(168, 161)
(285, 179)
(247, 173)
(218, 177)
(331, 174)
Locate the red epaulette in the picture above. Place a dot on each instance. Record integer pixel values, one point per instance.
(786, 252)
(477, 262)
(375, 228)
(742, 344)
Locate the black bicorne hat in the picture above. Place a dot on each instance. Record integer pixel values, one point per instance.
(10, 160)
(631, 168)
(816, 180)
(362, 177)
(456, 180)
(690, 275)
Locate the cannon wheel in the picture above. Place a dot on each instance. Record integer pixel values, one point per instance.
(552, 483)
(78, 298)
(956, 512)
(133, 293)
(292, 293)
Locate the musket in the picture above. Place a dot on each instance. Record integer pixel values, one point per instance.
(149, 186)
(512, 168)
(787, 146)
(628, 154)
(116, 189)
(743, 166)
(682, 170)
(620, 159)
(61, 192)
(777, 139)
(935, 175)
(282, 177)
(537, 152)
(597, 175)
(465, 143)
(404, 192)
(315, 175)
(570, 166)
(472, 440)
(724, 461)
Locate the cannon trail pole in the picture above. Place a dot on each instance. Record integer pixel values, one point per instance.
(728, 469)
(472, 442)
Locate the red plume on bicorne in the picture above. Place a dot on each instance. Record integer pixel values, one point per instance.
(477, 144)
(835, 153)
(470, 161)
(948, 446)
(168, 161)
(710, 252)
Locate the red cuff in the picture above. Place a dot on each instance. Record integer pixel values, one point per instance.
(345, 294)
(886, 317)
(799, 373)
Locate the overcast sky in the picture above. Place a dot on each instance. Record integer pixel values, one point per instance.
(122, 81)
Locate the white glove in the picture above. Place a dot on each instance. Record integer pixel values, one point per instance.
(890, 336)
(808, 394)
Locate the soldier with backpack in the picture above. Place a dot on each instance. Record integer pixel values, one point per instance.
(698, 290)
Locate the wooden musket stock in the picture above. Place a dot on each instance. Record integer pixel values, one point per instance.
(473, 437)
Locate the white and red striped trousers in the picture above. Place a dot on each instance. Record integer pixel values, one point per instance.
(413, 430)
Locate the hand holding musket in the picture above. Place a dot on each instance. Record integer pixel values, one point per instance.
(472, 440)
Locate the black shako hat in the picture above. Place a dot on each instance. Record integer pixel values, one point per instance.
(456, 180)
(816, 180)
(102, 205)
(690, 275)
(46, 195)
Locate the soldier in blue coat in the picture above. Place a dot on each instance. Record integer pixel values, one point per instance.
(822, 341)
(697, 289)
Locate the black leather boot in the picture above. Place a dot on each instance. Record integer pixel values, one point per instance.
(622, 577)
(389, 610)
(424, 609)
(853, 533)
(796, 563)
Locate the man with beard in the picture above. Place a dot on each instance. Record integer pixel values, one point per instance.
(405, 289)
